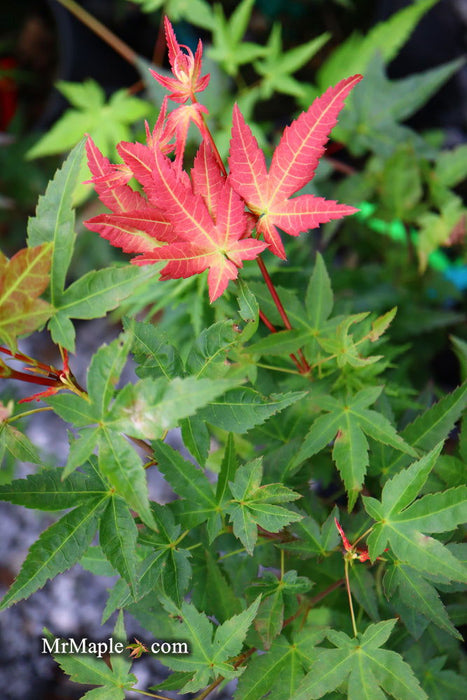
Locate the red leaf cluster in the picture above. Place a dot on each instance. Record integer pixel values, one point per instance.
(206, 220)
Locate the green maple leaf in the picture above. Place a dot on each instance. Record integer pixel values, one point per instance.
(377, 110)
(254, 505)
(196, 12)
(347, 422)
(416, 591)
(229, 48)
(190, 484)
(210, 650)
(57, 549)
(277, 67)
(315, 330)
(282, 669)
(107, 123)
(363, 666)
(443, 684)
(276, 594)
(403, 521)
(356, 53)
(112, 680)
(313, 539)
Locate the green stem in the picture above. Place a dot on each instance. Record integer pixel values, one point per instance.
(179, 539)
(277, 369)
(349, 593)
(29, 413)
(367, 532)
(210, 688)
(101, 30)
(149, 695)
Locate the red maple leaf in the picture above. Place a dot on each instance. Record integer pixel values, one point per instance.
(293, 165)
(134, 226)
(209, 224)
(185, 67)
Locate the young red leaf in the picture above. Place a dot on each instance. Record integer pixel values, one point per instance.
(207, 178)
(117, 196)
(293, 165)
(134, 226)
(185, 67)
(133, 231)
(198, 242)
(178, 123)
(161, 134)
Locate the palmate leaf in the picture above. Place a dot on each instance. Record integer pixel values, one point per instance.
(22, 281)
(427, 429)
(117, 536)
(57, 549)
(113, 680)
(152, 350)
(276, 594)
(210, 653)
(281, 670)
(361, 664)
(417, 592)
(47, 490)
(254, 505)
(150, 407)
(402, 523)
(189, 483)
(54, 221)
(293, 165)
(239, 410)
(277, 66)
(196, 242)
(356, 53)
(313, 540)
(347, 422)
(230, 49)
(17, 444)
(442, 684)
(92, 296)
(172, 570)
(107, 123)
(384, 103)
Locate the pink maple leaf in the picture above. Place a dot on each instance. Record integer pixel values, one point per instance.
(185, 67)
(293, 165)
(135, 226)
(161, 134)
(197, 241)
(178, 123)
(108, 181)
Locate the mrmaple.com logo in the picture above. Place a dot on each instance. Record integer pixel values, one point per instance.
(110, 646)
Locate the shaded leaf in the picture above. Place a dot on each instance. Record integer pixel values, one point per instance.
(57, 549)
(22, 281)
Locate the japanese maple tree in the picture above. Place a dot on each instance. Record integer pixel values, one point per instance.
(315, 519)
